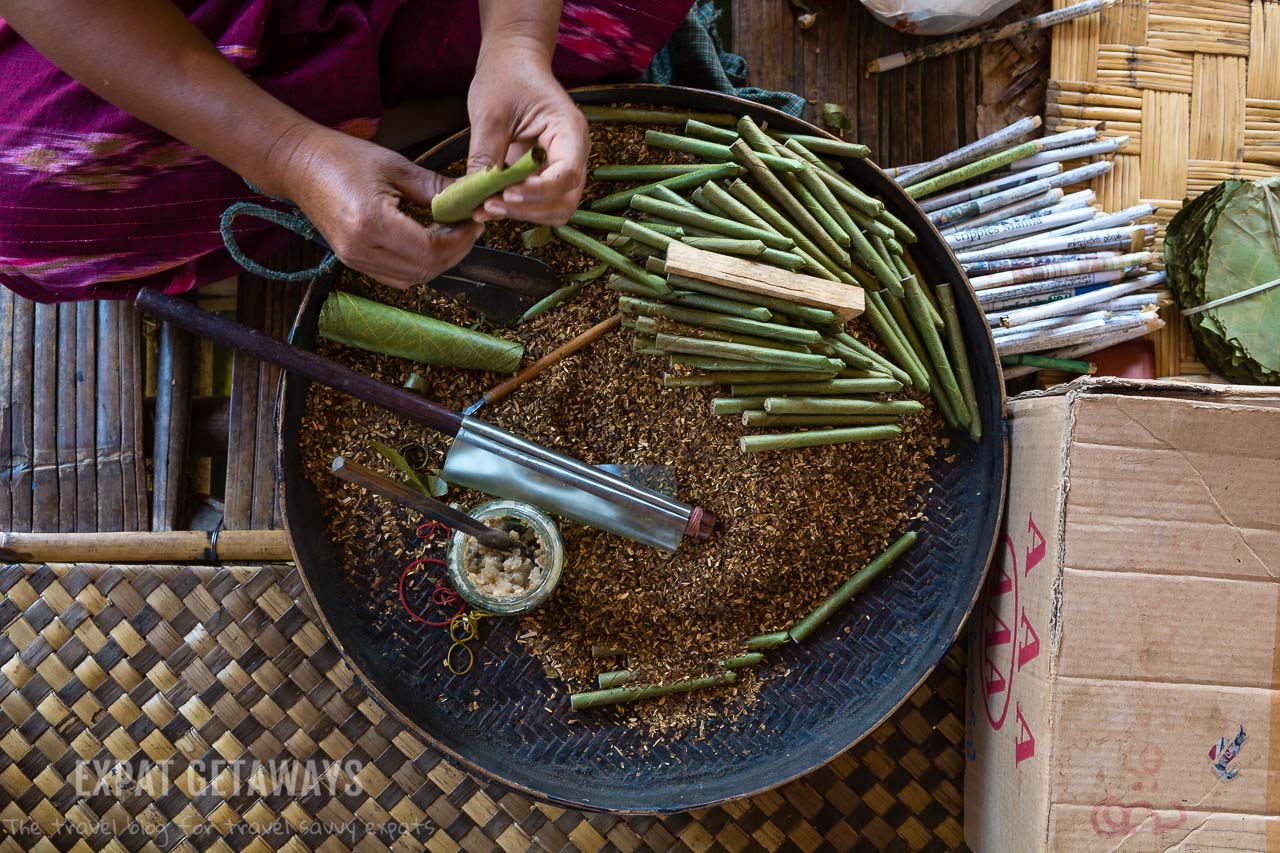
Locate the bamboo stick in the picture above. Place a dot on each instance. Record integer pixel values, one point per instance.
(129, 547)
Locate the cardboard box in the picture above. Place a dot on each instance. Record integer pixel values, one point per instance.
(1124, 676)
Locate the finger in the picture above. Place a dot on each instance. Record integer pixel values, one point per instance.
(417, 184)
(561, 182)
(405, 252)
(556, 213)
(489, 140)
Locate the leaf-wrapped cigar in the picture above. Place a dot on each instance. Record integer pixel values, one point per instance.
(460, 199)
(617, 678)
(740, 352)
(955, 343)
(643, 171)
(835, 184)
(1045, 362)
(896, 312)
(725, 365)
(718, 305)
(622, 284)
(922, 317)
(806, 313)
(761, 642)
(817, 209)
(642, 233)
(830, 147)
(735, 405)
(876, 358)
(694, 317)
(728, 377)
(838, 406)
(767, 442)
(701, 219)
(613, 258)
(699, 200)
(797, 211)
(871, 226)
(816, 261)
(619, 695)
(832, 387)
(886, 330)
(601, 652)
(818, 188)
(621, 199)
(637, 115)
(764, 419)
(729, 246)
(372, 326)
(710, 133)
(551, 300)
(742, 661)
(670, 196)
(713, 151)
(851, 357)
(612, 222)
(806, 626)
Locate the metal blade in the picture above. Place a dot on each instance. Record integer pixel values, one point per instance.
(500, 285)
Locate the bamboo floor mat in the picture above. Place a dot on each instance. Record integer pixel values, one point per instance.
(134, 702)
(1195, 87)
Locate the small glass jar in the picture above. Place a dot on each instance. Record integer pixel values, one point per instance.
(548, 535)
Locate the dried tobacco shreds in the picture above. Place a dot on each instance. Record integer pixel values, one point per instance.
(791, 524)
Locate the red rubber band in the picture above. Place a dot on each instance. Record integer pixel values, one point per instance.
(404, 602)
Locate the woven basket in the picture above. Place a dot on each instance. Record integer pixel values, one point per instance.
(1195, 86)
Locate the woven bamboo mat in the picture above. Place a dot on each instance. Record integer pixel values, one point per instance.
(155, 708)
(1195, 86)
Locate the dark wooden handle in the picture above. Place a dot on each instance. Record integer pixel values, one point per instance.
(502, 389)
(315, 367)
(393, 490)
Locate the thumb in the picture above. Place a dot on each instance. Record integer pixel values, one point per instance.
(489, 141)
(420, 185)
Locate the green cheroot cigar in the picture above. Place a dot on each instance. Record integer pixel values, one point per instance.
(882, 363)
(621, 199)
(717, 305)
(793, 310)
(620, 677)
(955, 343)
(710, 133)
(816, 261)
(831, 387)
(713, 151)
(836, 184)
(460, 199)
(830, 147)
(699, 219)
(613, 258)
(887, 331)
(648, 325)
(637, 115)
(735, 405)
(618, 695)
(837, 406)
(729, 246)
(728, 377)
(764, 419)
(611, 222)
(741, 352)
(805, 627)
(972, 170)
(642, 233)
(761, 642)
(555, 298)
(643, 172)
(670, 196)
(623, 284)
(723, 365)
(711, 320)
(815, 438)
(871, 226)
(900, 228)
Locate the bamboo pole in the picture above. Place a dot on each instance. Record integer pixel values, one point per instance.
(182, 546)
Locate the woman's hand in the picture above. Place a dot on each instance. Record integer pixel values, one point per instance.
(351, 190)
(515, 102)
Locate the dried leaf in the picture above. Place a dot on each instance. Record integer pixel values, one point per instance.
(536, 238)
(393, 456)
(833, 116)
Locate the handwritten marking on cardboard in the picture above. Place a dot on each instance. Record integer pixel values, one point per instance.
(1117, 817)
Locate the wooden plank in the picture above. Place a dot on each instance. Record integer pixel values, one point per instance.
(66, 417)
(183, 546)
(141, 495)
(753, 277)
(172, 427)
(264, 464)
(241, 454)
(21, 412)
(107, 450)
(126, 370)
(44, 410)
(86, 416)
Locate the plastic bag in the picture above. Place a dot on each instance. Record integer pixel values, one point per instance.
(935, 17)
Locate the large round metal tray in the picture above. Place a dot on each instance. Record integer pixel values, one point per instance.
(839, 687)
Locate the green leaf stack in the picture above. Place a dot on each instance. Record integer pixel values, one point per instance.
(1226, 241)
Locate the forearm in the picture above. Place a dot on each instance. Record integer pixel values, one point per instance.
(145, 57)
(519, 24)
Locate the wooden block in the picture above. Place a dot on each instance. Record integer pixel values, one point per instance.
(845, 300)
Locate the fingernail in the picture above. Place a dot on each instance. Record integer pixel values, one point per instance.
(513, 197)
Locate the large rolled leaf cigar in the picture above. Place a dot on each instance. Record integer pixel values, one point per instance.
(460, 199)
(813, 438)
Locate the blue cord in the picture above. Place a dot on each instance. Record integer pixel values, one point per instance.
(291, 219)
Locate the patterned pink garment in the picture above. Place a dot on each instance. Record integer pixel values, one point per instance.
(95, 204)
